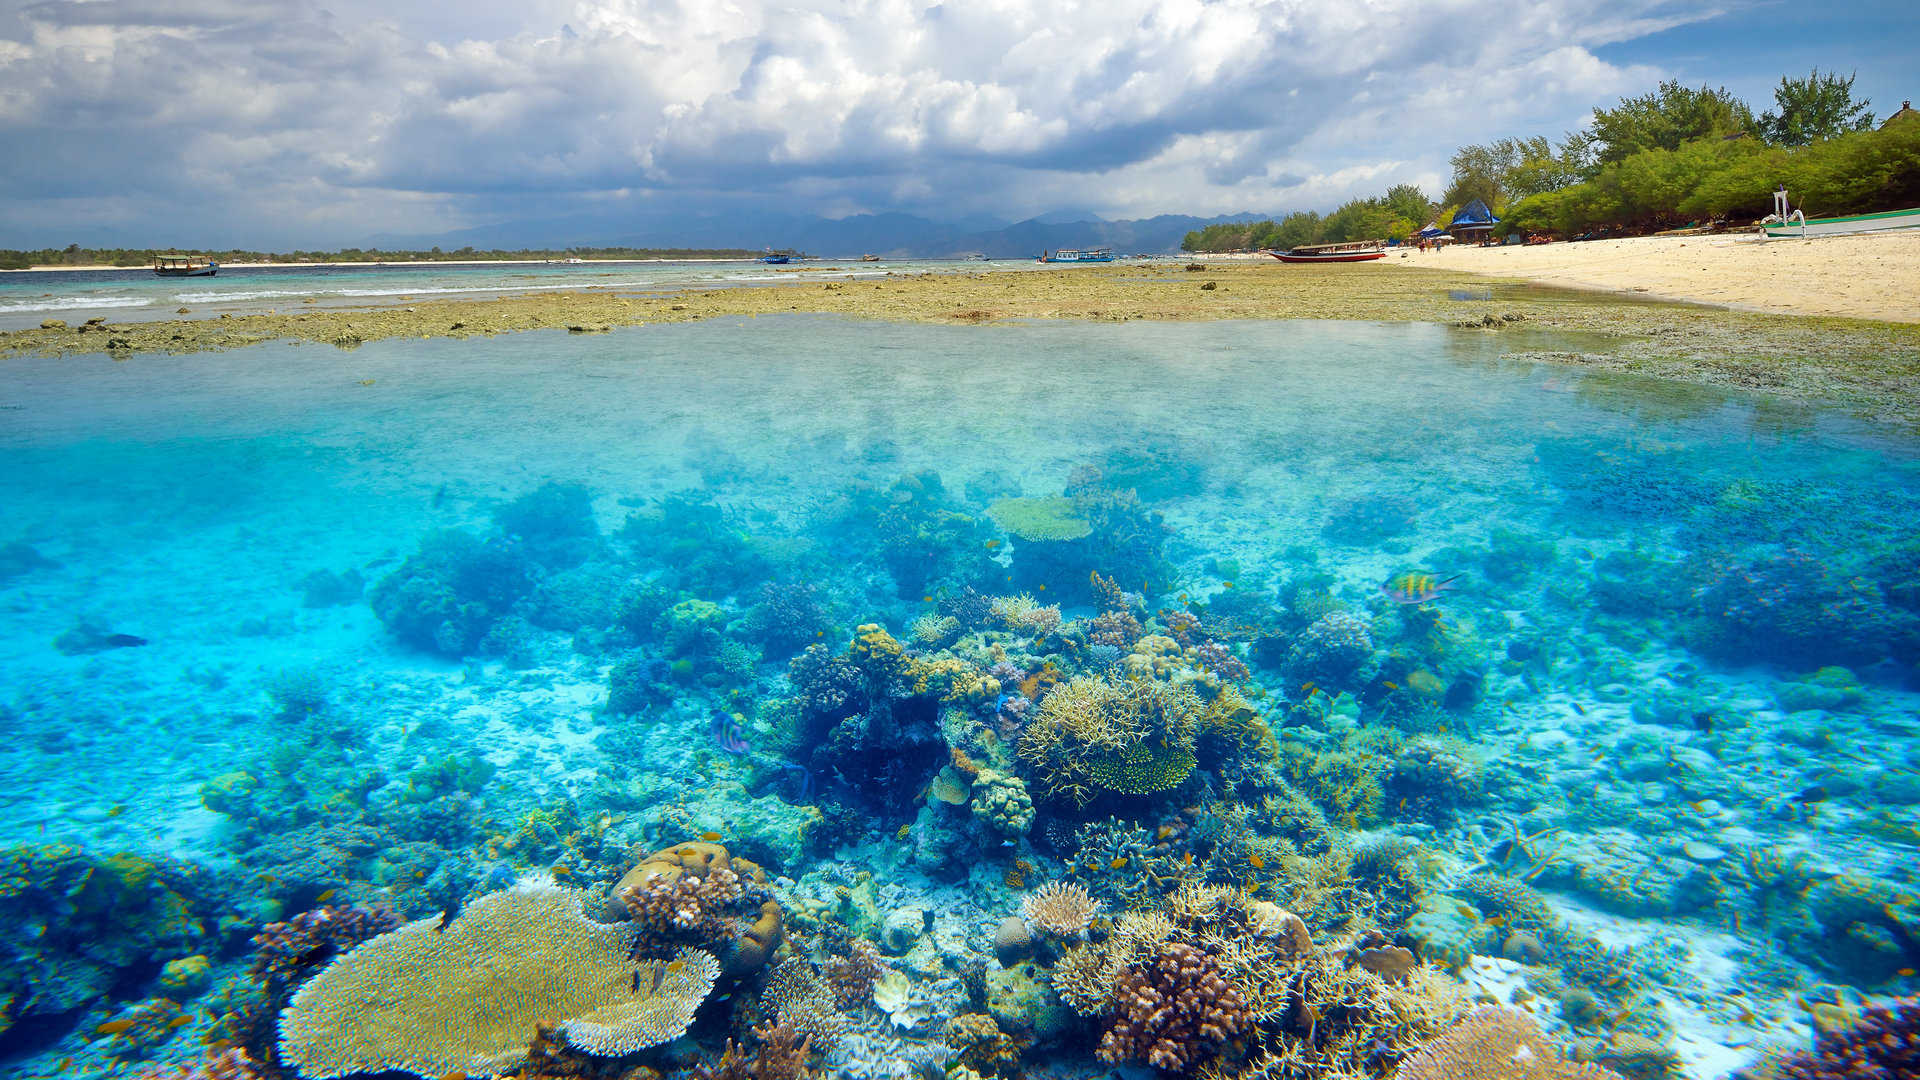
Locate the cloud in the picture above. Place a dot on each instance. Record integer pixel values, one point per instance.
(235, 110)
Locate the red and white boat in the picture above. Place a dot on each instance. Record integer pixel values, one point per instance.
(1354, 251)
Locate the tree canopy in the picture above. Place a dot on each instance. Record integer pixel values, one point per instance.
(1667, 119)
(1814, 108)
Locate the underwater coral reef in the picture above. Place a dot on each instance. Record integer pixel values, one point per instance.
(1130, 758)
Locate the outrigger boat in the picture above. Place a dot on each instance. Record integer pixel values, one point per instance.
(1078, 255)
(1786, 223)
(1354, 251)
(184, 266)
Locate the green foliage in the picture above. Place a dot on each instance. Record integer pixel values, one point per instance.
(1510, 169)
(1861, 172)
(1814, 108)
(1667, 119)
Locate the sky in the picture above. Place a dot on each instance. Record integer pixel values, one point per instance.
(278, 124)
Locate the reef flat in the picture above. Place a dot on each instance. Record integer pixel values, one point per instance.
(1870, 368)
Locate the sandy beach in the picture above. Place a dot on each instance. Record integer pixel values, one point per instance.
(1858, 277)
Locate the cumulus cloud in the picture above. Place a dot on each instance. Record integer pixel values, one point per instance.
(296, 117)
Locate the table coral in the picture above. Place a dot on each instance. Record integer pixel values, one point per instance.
(442, 996)
(1493, 1043)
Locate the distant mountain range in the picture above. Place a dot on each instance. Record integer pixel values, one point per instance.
(892, 235)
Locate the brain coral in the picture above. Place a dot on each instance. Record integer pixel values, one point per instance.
(438, 997)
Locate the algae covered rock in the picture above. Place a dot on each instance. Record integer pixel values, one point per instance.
(1001, 800)
(1021, 1001)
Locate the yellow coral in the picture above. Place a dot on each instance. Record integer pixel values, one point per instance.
(649, 1018)
(1060, 908)
(1493, 1043)
(1049, 518)
(437, 997)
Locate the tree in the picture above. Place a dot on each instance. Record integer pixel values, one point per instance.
(1667, 118)
(1814, 108)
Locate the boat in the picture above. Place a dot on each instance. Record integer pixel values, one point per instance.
(869, 258)
(1798, 226)
(1353, 251)
(777, 258)
(184, 266)
(1078, 255)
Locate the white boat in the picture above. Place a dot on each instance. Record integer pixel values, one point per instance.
(1352, 251)
(1799, 227)
(1786, 223)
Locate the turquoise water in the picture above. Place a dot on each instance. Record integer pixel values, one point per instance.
(27, 297)
(1597, 686)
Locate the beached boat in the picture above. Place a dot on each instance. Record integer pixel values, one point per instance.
(1078, 255)
(1798, 227)
(184, 266)
(1356, 251)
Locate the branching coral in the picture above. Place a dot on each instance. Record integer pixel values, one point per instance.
(1132, 735)
(1062, 909)
(1493, 1043)
(1174, 1011)
(1883, 1044)
(800, 999)
(697, 894)
(852, 976)
(782, 1056)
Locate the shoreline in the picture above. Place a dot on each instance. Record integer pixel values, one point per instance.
(1869, 367)
(1869, 276)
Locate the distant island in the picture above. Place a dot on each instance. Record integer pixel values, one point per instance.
(75, 255)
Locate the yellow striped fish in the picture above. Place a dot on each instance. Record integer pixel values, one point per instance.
(1416, 588)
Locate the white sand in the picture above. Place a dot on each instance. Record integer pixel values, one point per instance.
(1867, 277)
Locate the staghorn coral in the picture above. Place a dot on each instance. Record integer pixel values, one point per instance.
(1174, 1011)
(1494, 1043)
(1063, 909)
(782, 1056)
(441, 995)
(1131, 735)
(1882, 1044)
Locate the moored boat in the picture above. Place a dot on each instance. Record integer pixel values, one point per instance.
(1355, 251)
(1797, 227)
(184, 266)
(1078, 255)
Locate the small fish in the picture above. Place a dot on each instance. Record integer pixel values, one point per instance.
(1497, 921)
(116, 809)
(122, 641)
(1226, 584)
(710, 837)
(325, 896)
(561, 870)
(991, 544)
(1579, 708)
(636, 981)
(1118, 863)
(1256, 862)
(113, 1027)
(1391, 685)
(1905, 973)
(180, 1021)
(1187, 859)
(926, 599)
(1165, 831)
(1309, 689)
(1703, 721)
(366, 382)
(1402, 806)
(1042, 587)
(1814, 794)
(1416, 588)
(674, 966)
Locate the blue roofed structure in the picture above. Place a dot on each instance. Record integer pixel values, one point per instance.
(1473, 222)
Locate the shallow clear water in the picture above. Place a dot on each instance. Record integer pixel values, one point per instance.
(1647, 575)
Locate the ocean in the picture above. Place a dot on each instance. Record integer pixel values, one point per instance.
(1028, 671)
(138, 295)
